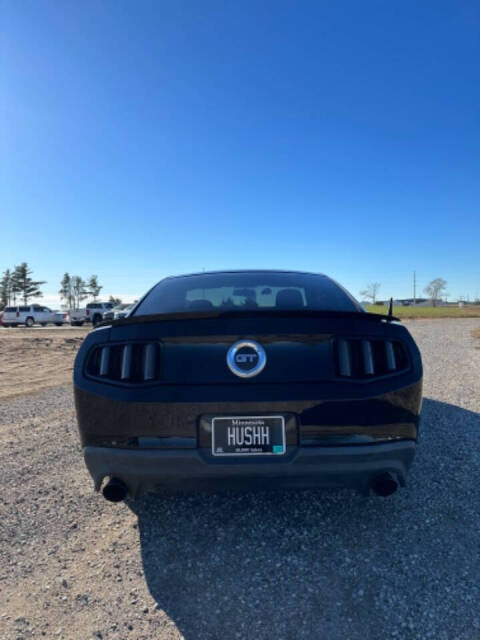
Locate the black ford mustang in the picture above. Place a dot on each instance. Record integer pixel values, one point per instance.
(242, 378)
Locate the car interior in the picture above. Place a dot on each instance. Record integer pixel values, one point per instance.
(247, 299)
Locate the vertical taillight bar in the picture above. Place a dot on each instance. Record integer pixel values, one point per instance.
(126, 361)
(104, 361)
(149, 362)
(344, 358)
(367, 357)
(390, 355)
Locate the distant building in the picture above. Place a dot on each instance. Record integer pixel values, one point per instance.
(408, 302)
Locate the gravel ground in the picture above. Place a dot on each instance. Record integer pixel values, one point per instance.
(316, 564)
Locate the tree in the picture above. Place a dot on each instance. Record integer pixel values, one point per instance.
(93, 287)
(6, 289)
(24, 285)
(434, 290)
(371, 291)
(115, 301)
(14, 286)
(79, 291)
(66, 290)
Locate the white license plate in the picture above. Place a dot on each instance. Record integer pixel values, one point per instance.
(248, 435)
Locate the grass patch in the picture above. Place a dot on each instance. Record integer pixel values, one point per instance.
(468, 311)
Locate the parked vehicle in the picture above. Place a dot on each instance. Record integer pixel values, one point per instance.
(120, 311)
(93, 313)
(263, 378)
(77, 317)
(30, 315)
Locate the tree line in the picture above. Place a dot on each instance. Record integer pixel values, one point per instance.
(74, 289)
(434, 290)
(18, 286)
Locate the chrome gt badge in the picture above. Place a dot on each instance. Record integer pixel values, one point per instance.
(246, 358)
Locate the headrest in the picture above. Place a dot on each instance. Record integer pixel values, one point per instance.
(289, 299)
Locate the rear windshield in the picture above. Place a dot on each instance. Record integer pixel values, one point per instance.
(244, 291)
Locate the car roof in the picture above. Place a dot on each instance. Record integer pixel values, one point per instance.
(228, 271)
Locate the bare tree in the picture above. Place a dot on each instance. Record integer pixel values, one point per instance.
(434, 290)
(78, 291)
(371, 291)
(93, 287)
(66, 292)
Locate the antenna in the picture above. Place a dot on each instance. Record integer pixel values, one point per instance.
(390, 310)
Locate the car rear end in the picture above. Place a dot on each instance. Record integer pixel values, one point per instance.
(94, 311)
(16, 316)
(337, 402)
(59, 318)
(76, 317)
(9, 317)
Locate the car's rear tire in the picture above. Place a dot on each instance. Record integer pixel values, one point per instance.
(97, 318)
(29, 322)
(58, 324)
(44, 324)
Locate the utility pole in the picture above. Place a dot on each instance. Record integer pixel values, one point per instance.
(414, 288)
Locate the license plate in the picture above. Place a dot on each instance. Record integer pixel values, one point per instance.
(248, 435)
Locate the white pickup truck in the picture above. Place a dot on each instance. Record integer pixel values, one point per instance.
(93, 313)
(32, 314)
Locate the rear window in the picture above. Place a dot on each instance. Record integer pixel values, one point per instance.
(24, 308)
(94, 305)
(10, 309)
(246, 291)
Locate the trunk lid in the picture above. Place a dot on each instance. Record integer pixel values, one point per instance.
(194, 350)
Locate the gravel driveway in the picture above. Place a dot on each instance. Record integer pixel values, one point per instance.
(321, 565)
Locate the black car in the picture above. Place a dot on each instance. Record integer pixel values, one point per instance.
(248, 378)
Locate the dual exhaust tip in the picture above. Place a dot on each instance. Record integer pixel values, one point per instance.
(382, 485)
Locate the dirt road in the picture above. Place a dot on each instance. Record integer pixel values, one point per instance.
(34, 359)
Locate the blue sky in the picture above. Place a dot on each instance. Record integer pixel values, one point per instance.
(140, 139)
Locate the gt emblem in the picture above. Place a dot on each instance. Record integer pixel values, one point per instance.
(246, 358)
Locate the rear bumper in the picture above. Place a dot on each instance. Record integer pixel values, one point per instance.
(302, 467)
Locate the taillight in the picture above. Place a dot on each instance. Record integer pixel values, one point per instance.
(18, 314)
(131, 362)
(361, 359)
(88, 312)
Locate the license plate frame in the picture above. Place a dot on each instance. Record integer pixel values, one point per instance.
(275, 428)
